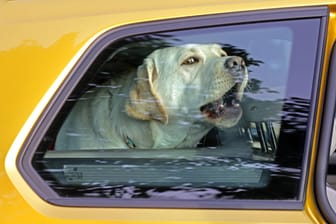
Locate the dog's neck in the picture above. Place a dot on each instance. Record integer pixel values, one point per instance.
(144, 134)
(177, 135)
(154, 134)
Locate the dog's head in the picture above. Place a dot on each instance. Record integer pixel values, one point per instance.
(188, 83)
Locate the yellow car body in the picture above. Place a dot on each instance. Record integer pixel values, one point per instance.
(41, 41)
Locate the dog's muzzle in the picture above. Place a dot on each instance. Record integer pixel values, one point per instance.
(228, 106)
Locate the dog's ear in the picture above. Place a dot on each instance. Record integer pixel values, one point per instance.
(144, 102)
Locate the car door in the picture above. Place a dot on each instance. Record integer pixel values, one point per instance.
(129, 133)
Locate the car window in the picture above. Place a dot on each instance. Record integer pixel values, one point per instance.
(208, 114)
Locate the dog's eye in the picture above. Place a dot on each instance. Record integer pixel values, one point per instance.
(190, 61)
(223, 54)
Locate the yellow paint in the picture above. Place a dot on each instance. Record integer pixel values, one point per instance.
(310, 206)
(40, 41)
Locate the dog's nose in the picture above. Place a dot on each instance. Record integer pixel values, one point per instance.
(235, 63)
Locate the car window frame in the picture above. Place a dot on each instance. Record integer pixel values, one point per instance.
(322, 158)
(26, 154)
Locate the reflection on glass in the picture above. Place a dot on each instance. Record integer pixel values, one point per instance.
(211, 113)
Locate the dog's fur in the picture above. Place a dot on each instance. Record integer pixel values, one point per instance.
(158, 106)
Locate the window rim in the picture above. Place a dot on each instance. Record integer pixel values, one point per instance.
(25, 156)
(322, 158)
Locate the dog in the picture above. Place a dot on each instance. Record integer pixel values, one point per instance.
(170, 101)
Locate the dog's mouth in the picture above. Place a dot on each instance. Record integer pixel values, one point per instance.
(226, 106)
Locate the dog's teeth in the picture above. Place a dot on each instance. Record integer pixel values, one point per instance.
(235, 102)
(221, 108)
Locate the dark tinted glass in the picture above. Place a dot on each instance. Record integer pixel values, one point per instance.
(206, 114)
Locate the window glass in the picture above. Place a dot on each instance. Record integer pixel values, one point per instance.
(213, 113)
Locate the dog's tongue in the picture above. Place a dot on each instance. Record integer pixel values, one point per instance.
(214, 109)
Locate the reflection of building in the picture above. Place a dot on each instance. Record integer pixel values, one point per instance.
(264, 123)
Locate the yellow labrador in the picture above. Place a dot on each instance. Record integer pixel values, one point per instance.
(176, 96)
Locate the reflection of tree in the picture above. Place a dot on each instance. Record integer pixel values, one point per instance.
(127, 54)
(294, 126)
(133, 50)
(232, 50)
(254, 86)
(295, 114)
